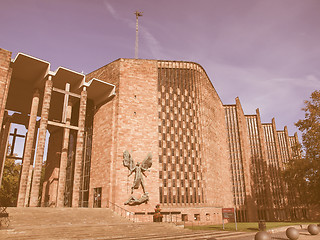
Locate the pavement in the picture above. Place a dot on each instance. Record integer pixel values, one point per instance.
(304, 235)
(99, 223)
(279, 233)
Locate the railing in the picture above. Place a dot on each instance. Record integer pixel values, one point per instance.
(122, 212)
(172, 218)
(192, 224)
(144, 217)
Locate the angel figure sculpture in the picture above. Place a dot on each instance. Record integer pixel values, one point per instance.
(138, 169)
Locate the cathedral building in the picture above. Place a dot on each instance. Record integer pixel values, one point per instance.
(136, 133)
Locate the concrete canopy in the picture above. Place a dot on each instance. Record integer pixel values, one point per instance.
(29, 73)
(99, 91)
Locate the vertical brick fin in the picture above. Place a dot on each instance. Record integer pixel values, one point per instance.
(251, 207)
(257, 166)
(274, 165)
(79, 149)
(41, 143)
(282, 196)
(297, 144)
(287, 142)
(277, 144)
(264, 162)
(28, 151)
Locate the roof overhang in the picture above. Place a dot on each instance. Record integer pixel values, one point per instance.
(63, 75)
(30, 73)
(99, 91)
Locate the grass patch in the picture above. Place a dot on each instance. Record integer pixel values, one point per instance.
(244, 226)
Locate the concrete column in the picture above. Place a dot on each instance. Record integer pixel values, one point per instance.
(26, 202)
(41, 143)
(28, 151)
(79, 148)
(43, 202)
(63, 160)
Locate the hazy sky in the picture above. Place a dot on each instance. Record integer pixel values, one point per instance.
(266, 52)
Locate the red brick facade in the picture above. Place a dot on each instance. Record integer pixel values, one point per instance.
(5, 77)
(132, 126)
(143, 117)
(49, 192)
(205, 155)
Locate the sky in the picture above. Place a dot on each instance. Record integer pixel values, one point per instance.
(266, 52)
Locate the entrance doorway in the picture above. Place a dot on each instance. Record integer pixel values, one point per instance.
(97, 197)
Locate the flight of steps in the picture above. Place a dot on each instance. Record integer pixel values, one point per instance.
(94, 223)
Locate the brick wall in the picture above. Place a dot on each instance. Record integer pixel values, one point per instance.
(5, 77)
(137, 128)
(127, 122)
(103, 139)
(52, 167)
(250, 203)
(130, 121)
(215, 150)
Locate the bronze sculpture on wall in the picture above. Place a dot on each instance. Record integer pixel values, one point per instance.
(139, 170)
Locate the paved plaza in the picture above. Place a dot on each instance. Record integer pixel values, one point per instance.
(69, 223)
(90, 224)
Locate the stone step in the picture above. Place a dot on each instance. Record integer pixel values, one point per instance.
(93, 224)
(188, 235)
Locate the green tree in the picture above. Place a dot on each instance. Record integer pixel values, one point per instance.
(10, 183)
(295, 176)
(304, 171)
